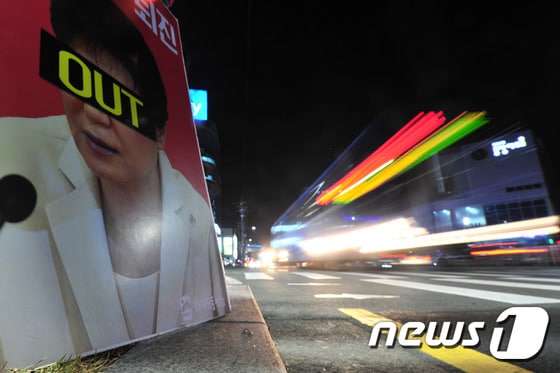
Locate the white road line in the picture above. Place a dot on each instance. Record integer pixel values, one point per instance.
(313, 283)
(233, 281)
(535, 279)
(354, 296)
(435, 275)
(509, 284)
(257, 276)
(315, 276)
(518, 274)
(372, 275)
(466, 292)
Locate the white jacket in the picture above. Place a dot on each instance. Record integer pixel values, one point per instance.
(58, 296)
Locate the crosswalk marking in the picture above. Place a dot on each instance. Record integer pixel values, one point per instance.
(466, 292)
(465, 359)
(354, 296)
(313, 283)
(397, 279)
(257, 276)
(434, 275)
(316, 275)
(233, 281)
(534, 279)
(509, 284)
(373, 275)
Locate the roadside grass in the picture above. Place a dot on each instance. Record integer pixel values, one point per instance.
(90, 364)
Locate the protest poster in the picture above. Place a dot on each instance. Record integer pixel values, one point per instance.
(120, 244)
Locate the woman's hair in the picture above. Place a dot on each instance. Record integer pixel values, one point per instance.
(102, 26)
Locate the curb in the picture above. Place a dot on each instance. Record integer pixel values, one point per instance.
(239, 341)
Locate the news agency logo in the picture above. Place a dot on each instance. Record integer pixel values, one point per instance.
(524, 340)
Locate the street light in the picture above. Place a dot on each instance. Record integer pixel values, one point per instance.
(242, 208)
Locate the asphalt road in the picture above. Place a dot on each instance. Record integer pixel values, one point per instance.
(322, 321)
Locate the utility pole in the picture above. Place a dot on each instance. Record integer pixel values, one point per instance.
(242, 208)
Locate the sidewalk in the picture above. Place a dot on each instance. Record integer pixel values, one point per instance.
(238, 342)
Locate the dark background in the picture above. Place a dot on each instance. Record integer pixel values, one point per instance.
(291, 83)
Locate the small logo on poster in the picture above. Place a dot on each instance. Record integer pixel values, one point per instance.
(186, 308)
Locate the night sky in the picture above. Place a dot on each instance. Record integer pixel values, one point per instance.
(291, 83)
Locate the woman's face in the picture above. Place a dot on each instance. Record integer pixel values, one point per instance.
(113, 151)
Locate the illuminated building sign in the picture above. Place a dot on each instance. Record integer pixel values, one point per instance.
(208, 160)
(228, 246)
(503, 147)
(199, 103)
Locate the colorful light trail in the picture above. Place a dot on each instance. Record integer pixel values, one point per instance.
(421, 138)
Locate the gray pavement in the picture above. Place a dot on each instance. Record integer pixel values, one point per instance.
(237, 342)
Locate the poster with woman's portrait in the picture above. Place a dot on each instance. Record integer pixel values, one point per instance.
(106, 232)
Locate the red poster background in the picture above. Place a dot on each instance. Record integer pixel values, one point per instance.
(56, 279)
(24, 94)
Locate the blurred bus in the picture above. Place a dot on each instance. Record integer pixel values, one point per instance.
(416, 197)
